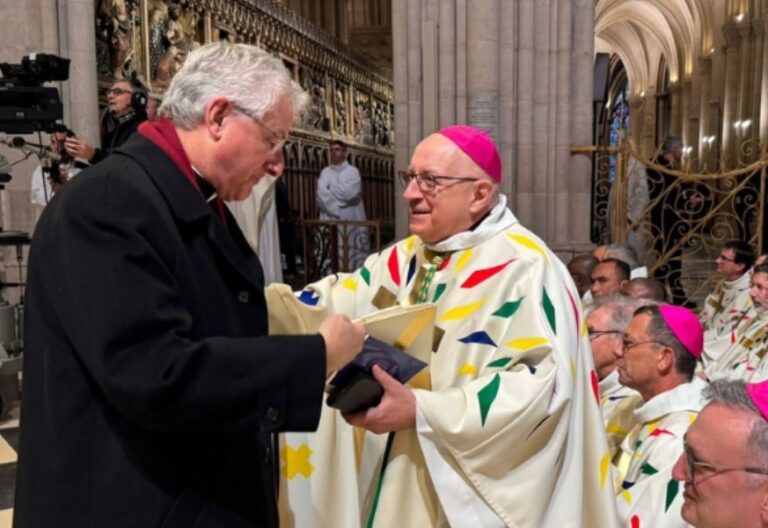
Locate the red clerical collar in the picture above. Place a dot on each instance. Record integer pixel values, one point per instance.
(163, 134)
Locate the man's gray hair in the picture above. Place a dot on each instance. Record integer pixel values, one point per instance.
(659, 331)
(733, 394)
(252, 80)
(619, 308)
(622, 252)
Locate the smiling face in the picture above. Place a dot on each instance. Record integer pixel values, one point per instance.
(453, 206)
(728, 498)
(242, 149)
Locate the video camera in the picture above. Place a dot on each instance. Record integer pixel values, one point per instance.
(26, 105)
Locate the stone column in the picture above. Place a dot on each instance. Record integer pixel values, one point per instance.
(521, 70)
(764, 88)
(706, 128)
(758, 31)
(676, 119)
(745, 81)
(731, 97)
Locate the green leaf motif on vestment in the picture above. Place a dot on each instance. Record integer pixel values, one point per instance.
(438, 291)
(549, 309)
(648, 469)
(672, 488)
(501, 362)
(508, 309)
(487, 396)
(366, 275)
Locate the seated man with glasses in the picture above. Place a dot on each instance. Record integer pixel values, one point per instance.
(504, 428)
(605, 326)
(724, 468)
(657, 358)
(126, 103)
(731, 294)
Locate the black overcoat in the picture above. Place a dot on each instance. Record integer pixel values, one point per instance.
(151, 393)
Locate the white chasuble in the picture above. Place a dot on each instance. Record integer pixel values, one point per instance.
(648, 496)
(508, 427)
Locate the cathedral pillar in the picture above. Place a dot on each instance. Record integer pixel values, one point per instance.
(523, 72)
(758, 32)
(708, 132)
(764, 86)
(676, 119)
(745, 83)
(731, 97)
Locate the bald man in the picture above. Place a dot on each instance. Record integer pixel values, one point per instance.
(644, 288)
(506, 430)
(580, 267)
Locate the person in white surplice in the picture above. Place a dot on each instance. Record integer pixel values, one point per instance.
(340, 198)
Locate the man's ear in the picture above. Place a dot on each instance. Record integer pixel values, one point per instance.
(666, 361)
(215, 112)
(482, 196)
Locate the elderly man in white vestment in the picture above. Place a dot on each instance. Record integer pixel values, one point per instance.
(605, 325)
(658, 359)
(725, 463)
(504, 429)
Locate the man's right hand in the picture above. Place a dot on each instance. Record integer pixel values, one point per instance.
(77, 148)
(343, 341)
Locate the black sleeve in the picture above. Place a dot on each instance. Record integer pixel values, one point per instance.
(103, 266)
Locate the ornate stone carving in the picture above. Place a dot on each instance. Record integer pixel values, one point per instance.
(115, 25)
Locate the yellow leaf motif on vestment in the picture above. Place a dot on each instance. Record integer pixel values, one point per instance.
(615, 429)
(627, 496)
(605, 464)
(526, 343)
(692, 418)
(460, 312)
(350, 284)
(296, 461)
(467, 370)
(409, 243)
(528, 243)
(463, 259)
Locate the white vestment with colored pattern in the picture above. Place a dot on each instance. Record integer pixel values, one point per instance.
(745, 359)
(508, 432)
(648, 496)
(618, 403)
(723, 307)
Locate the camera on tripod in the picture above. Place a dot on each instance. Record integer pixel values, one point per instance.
(26, 105)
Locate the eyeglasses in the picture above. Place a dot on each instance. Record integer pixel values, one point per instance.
(118, 91)
(706, 470)
(428, 182)
(594, 334)
(726, 259)
(627, 344)
(274, 139)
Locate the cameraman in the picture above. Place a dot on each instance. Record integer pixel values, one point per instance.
(127, 103)
(48, 179)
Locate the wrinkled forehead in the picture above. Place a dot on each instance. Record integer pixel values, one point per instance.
(439, 155)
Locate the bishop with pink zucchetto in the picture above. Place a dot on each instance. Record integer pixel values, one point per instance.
(504, 427)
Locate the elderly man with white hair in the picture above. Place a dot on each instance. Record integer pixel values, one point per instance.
(152, 394)
(505, 428)
(724, 466)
